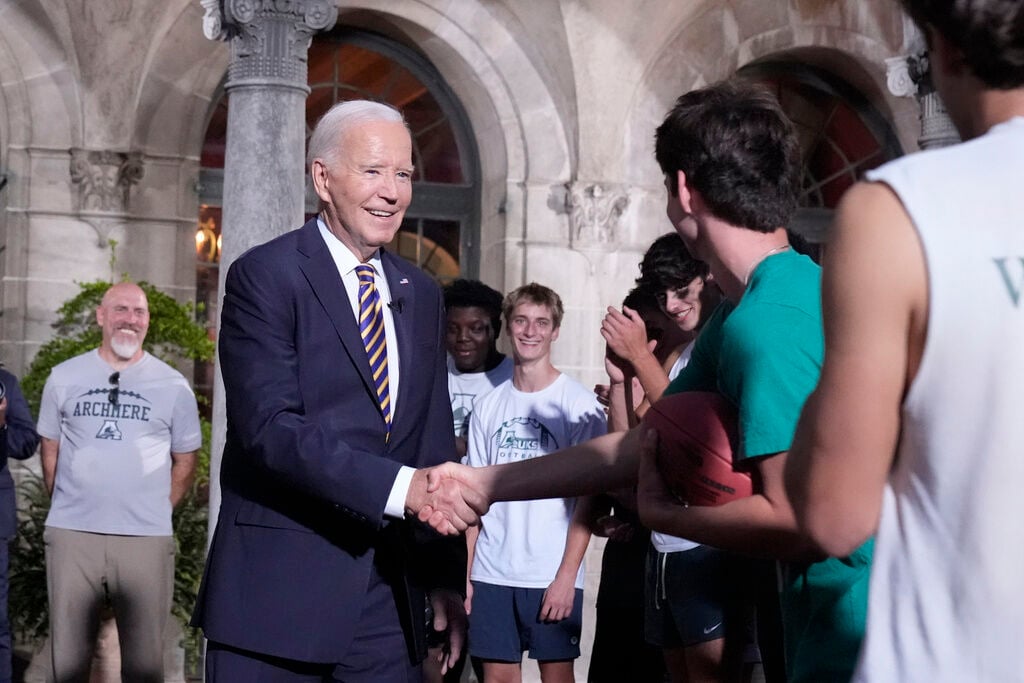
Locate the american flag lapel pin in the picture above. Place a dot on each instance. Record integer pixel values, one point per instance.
(404, 281)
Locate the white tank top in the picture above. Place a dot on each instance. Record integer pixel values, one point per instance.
(947, 586)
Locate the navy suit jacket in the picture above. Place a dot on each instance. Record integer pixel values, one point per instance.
(306, 470)
(20, 443)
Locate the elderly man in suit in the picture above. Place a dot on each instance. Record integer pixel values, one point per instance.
(334, 368)
(18, 439)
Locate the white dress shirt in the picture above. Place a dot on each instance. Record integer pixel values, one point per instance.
(346, 261)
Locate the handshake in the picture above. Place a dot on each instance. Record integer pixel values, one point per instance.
(450, 497)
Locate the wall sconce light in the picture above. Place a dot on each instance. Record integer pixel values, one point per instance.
(208, 241)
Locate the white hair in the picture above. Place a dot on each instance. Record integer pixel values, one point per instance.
(324, 143)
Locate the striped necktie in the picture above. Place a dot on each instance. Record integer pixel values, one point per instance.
(371, 329)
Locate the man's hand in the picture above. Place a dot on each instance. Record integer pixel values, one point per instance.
(558, 599)
(468, 602)
(614, 529)
(655, 501)
(3, 411)
(625, 333)
(616, 367)
(449, 619)
(445, 503)
(475, 479)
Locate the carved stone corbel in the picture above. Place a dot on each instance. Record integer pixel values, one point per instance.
(103, 182)
(594, 210)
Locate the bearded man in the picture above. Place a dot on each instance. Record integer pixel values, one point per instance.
(120, 430)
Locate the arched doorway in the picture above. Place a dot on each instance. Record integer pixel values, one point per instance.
(440, 230)
(842, 136)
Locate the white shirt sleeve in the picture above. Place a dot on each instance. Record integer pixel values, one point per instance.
(395, 507)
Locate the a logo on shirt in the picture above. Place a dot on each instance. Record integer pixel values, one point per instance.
(462, 408)
(522, 438)
(97, 403)
(109, 430)
(1013, 289)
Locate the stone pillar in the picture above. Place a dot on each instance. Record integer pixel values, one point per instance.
(264, 165)
(910, 75)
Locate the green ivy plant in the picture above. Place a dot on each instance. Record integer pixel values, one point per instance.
(173, 335)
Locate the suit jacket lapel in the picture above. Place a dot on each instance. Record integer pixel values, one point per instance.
(324, 280)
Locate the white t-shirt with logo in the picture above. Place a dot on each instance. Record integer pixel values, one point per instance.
(465, 388)
(114, 463)
(521, 542)
(664, 543)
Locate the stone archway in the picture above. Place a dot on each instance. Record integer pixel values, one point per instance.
(39, 121)
(850, 45)
(521, 127)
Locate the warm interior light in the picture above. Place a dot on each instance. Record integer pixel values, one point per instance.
(207, 241)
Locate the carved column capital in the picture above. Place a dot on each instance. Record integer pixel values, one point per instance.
(911, 76)
(269, 38)
(104, 178)
(594, 211)
(903, 74)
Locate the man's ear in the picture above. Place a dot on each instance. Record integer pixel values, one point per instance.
(99, 315)
(318, 170)
(684, 193)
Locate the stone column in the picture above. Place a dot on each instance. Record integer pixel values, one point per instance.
(910, 75)
(264, 165)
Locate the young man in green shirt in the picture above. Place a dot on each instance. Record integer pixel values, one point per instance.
(731, 164)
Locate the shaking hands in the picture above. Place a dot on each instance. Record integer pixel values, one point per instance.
(450, 497)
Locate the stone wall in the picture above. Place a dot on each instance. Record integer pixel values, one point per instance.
(104, 105)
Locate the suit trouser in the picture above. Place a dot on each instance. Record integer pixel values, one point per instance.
(136, 574)
(5, 624)
(377, 653)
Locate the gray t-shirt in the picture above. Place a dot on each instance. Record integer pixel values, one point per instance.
(114, 464)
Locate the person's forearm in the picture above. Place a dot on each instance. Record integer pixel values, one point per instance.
(22, 438)
(652, 376)
(751, 526)
(472, 534)
(48, 457)
(618, 407)
(183, 469)
(602, 464)
(576, 540)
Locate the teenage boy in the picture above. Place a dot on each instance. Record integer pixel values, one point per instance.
(523, 595)
(915, 428)
(475, 366)
(690, 606)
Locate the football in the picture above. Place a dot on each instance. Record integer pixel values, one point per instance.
(697, 433)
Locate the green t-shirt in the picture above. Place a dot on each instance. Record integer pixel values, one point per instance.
(764, 354)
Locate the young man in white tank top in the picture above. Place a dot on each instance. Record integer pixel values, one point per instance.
(915, 428)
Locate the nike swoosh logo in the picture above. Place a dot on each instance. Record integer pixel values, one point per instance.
(709, 630)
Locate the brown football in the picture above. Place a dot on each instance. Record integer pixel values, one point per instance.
(696, 436)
